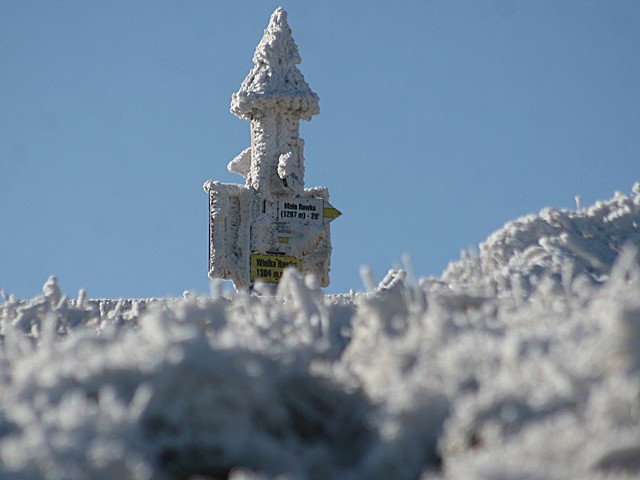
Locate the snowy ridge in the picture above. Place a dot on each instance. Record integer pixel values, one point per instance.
(522, 361)
(553, 244)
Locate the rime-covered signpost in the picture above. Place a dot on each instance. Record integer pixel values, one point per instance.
(272, 221)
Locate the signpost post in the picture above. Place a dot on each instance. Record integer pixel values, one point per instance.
(272, 221)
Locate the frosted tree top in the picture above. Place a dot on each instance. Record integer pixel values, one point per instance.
(275, 83)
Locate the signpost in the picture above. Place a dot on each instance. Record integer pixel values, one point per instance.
(272, 222)
(269, 268)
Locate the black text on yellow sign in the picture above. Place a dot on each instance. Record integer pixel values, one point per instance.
(269, 268)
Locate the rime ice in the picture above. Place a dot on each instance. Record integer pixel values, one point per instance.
(516, 363)
(273, 218)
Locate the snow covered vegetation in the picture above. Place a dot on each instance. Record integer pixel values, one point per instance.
(522, 361)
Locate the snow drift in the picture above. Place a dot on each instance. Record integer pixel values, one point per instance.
(521, 361)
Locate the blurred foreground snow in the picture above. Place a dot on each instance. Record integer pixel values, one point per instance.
(521, 361)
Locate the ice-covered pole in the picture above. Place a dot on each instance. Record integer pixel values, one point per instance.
(272, 222)
(275, 97)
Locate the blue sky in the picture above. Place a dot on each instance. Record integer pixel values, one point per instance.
(439, 121)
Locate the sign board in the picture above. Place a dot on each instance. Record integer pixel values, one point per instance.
(297, 217)
(269, 268)
(304, 210)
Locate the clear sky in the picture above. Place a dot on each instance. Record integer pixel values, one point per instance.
(439, 122)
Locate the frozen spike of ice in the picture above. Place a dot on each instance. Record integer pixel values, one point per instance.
(393, 279)
(311, 281)
(48, 330)
(215, 288)
(366, 275)
(82, 297)
(241, 164)
(51, 290)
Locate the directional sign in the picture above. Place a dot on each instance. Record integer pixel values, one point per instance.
(306, 210)
(330, 213)
(269, 268)
(300, 210)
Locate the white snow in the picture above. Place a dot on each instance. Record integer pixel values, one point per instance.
(275, 81)
(520, 361)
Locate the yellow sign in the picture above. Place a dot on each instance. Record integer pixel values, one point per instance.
(330, 213)
(269, 268)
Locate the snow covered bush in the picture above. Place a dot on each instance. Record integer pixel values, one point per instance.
(521, 361)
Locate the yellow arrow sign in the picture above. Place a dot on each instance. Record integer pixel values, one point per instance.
(330, 213)
(269, 268)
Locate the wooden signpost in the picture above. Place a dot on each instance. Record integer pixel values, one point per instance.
(272, 221)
